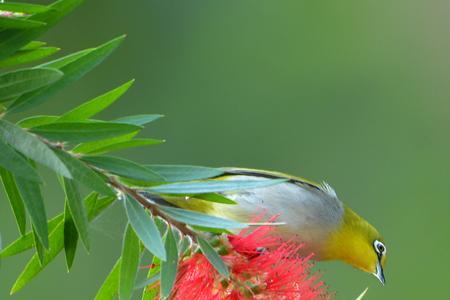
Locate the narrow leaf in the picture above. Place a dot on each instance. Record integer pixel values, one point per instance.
(175, 173)
(123, 167)
(33, 45)
(77, 210)
(72, 72)
(34, 203)
(96, 105)
(19, 82)
(33, 268)
(27, 8)
(32, 147)
(139, 120)
(83, 131)
(34, 121)
(26, 241)
(16, 163)
(110, 287)
(95, 207)
(91, 147)
(145, 228)
(125, 145)
(212, 186)
(213, 257)
(129, 265)
(66, 60)
(170, 266)
(198, 219)
(360, 297)
(11, 190)
(13, 39)
(25, 57)
(40, 250)
(85, 175)
(217, 198)
(16, 23)
(70, 237)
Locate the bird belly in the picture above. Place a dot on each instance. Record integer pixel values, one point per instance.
(309, 215)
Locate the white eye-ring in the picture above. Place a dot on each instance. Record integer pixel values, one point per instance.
(380, 248)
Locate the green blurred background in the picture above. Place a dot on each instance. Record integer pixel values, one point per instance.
(352, 92)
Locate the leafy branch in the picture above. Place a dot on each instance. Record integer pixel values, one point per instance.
(74, 146)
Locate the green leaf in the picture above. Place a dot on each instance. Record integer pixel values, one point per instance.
(147, 282)
(13, 39)
(19, 82)
(83, 131)
(145, 228)
(27, 8)
(34, 203)
(212, 186)
(25, 57)
(211, 230)
(19, 23)
(170, 266)
(362, 294)
(130, 263)
(33, 45)
(94, 205)
(213, 257)
(175, 173)
(85, 175)
(36, 121)
(123, 167)
(40, 250)
(26, 241)
(198, 219)
(9, 184)
(110, 287)
(66, 60)
(96, 105)
(77, 210)
(217, 198)
(16, 163)
(72, 72)
(33, 268)
(32, 147)
(125, 145)
(91, 147)
(70, 237)
(139, 120)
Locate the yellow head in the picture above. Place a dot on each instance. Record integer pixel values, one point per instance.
(357, 243)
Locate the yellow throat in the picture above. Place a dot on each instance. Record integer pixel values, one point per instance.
(353, 242)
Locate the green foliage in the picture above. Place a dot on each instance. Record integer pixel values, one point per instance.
(17, 83)
(213, 257)
(144, 226)
(15, 199)
(131, 253)
(70, 236)
(170, 266)
(110, 287)
(77, 210)
(76, 147)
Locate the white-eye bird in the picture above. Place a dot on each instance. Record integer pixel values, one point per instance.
(312, 213)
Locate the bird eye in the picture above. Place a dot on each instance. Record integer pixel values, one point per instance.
(380, 248)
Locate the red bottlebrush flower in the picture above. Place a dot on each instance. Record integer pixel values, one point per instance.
(262, 267)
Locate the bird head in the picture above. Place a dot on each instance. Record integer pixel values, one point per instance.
(357, 243)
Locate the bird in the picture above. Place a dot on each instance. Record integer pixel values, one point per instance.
(310, 213)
